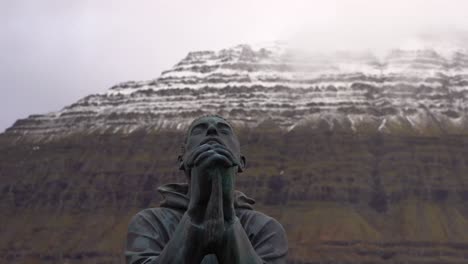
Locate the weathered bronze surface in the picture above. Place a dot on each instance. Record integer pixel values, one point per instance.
(206, 221)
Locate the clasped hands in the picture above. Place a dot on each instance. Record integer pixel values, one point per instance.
(211, 208)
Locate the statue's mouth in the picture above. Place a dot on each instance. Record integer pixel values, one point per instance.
(212, 141)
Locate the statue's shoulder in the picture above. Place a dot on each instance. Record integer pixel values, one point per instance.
(156, 215)
(256, 221)
(267, 235)
(250, 214)
(156, 211)
(156, 224)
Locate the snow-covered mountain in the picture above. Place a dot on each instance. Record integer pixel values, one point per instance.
(416, 90)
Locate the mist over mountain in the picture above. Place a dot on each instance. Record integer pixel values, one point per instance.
(419, 88)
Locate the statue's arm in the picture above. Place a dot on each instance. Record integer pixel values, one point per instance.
(145, 246)
(268, 245)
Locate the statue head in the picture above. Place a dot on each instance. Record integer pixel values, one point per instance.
(211, 128)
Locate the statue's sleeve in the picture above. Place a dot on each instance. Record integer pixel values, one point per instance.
(148, 233)
(267, 237)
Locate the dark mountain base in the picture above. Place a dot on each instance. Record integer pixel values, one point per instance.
(342, 197)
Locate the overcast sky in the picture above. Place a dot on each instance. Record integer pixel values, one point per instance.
(54, 52)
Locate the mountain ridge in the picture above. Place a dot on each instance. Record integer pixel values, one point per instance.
(249, 86)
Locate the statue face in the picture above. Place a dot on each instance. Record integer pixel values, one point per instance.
(210, 130)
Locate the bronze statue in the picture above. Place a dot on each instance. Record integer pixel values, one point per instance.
(206, 221)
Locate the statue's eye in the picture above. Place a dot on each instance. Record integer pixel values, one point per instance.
(197, 130)
(225, 131)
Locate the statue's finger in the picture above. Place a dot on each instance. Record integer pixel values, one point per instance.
(196, 153)
(218, 146)
(220, 158)
(228, 155)
(203, 156)
(200, 149)
(231, 155)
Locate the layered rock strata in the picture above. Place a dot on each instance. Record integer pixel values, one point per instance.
(418, 91)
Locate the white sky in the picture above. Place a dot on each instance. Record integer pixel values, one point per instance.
(53, 52)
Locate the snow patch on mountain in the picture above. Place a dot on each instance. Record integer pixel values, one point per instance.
(418, 90)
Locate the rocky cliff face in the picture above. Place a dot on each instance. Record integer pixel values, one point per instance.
(362, 159)
(418, 91)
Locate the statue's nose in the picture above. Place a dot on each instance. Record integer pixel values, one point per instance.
(211, 131)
